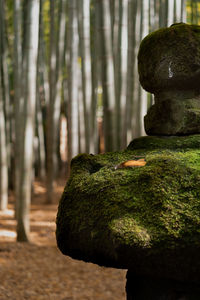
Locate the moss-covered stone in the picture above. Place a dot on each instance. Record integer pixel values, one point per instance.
(169, 58)
(142, 218)
(169, 67)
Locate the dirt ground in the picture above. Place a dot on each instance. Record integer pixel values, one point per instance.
(38, 271)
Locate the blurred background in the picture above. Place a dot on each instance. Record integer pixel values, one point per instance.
(68, 84)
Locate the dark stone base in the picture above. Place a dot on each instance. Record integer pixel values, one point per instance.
(146, 288)
(173, 117)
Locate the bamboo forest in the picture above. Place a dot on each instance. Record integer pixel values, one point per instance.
(69, 84)
(71, 65)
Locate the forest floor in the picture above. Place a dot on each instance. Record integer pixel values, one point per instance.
(38, 271)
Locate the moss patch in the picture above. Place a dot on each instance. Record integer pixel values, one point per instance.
(125, 217)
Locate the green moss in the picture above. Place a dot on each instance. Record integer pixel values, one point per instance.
(153, 208)
(132, 232)
(172, 142)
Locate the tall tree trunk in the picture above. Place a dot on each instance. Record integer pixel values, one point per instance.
(59, 77)
(183, 11)
(117, 30)
(3, 156)
(86, 66)
(108, 78)
(170, 19)
(156, 14)
(132, 9)
(26, 168)
(66, 64)
(41, 139)
(43, 59)
(195, 12)
(143, 94)
(53, 120)
(123, 72)
(178, 11)
(5, 81)
(3, 98)
(50, 109)
(72, 115)
(81, 115)
(136, 89)
(18, 97)
(152, 23)
(96, 77)
(40, 99)
(163, 13)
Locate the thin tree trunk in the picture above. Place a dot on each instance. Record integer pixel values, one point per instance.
(39, 115)
(6, 84)
(183, 11)
(86, 66)
(163, 13)
(152, 23)
(192, 11)
(196, 12)
(18, 99)
(59, 76)
(174, 20)
(3, 156)
(123, 72)
(156, 14)
(113, 16)
(30, 55)
(72, 115)
(108, 78)
(117, 28)
(81, 115)
(51, 157)
(132, 9)
(43, 65)
(136, 94)
(143, 93)
(66, 64)
(3, 99)
(53, 123)
(41, 140)
(170, 19)
(178, 11)
(96, 77)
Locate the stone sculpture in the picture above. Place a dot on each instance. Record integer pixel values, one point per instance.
(146, 217)
(169, 67)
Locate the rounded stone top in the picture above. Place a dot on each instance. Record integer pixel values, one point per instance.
(169, 58)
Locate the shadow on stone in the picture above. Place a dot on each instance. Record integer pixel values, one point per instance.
(149, 288)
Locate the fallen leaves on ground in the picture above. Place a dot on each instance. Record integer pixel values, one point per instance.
(38, 271)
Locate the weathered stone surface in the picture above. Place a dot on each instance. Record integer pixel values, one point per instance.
(173, 117)
(169, 67)
(169, 58)
(143, 218)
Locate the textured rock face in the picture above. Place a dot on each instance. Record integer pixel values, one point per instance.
(169, 58)
(169, 67)
(143, 218)
(176, 117)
